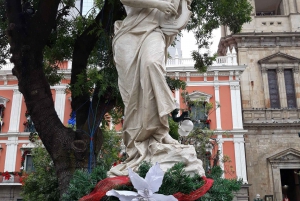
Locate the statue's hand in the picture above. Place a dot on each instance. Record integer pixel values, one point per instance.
(166, 7)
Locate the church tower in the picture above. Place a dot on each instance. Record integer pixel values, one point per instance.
(270, 91)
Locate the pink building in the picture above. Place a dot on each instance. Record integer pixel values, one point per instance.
(219, 85)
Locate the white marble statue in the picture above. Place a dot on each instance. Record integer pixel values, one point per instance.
(139, 49)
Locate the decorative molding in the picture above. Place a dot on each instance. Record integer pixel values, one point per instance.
(296, 69)
(279, 57)
(60, 90)
(264, 69)
(3, 101)
(253, 40)
(217, 87)
(16, 91)
(234, 87)
(196, 95)
(280, 70)
(216, 76)
(289, 155)
(4, 78)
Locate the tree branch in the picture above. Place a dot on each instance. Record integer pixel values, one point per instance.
(45, 17)
(13, 9)
(83, 47)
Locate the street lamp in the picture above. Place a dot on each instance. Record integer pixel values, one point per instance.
(185, 127)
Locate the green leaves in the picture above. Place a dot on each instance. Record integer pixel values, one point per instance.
(83, 183)
(222, 189)
(177, 180)
(202, 61)
(208, 15)
(41, 185)
(175, 84)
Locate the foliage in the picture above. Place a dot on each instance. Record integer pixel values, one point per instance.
(175, 84)
(201, 139)
(83, 183)
(202, 61)
(177, 180)
(4, 48)
(222, 189)
(208, 15)
(173, 129)
(41, 185)
(109, 153)
(144, 168)
(52, 75)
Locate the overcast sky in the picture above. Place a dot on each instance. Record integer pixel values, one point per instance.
(188, 43)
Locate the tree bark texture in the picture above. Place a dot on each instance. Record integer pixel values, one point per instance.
(28, 35)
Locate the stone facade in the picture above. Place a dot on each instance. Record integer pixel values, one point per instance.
(10, 193)
(271, 41)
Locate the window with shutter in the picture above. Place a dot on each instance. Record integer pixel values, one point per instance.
(273, 89)
(290, 88)
(29, 163)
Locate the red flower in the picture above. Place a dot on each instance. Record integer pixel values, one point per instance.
(6, 175)
(208, 121)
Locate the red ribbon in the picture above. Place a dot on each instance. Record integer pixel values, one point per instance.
(109, 183)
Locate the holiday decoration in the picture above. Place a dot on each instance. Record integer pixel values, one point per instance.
(146, 188)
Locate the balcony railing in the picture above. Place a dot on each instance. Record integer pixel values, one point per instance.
(8, 66)
(230, 59)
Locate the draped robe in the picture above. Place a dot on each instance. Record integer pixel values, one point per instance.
(139, 53)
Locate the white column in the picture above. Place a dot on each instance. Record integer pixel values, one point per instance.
(177, 98)
(218, 111)
(60, 98)
(292, 6)
(264, 73)
(236, 109)
(69, 64)
(111, 125)
(177, 94)
(11, 154)
(233, 107)
(188, 75)
(240, 160)
(297, 83)
(239, 107)
(15, 113)
(220, 145)
(281, 87)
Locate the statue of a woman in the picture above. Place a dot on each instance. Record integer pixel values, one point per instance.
(139, 47)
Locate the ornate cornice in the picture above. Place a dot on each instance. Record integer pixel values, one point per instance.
(253, 126)
(259, 40)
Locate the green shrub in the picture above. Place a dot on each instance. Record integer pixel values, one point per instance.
(42, 184)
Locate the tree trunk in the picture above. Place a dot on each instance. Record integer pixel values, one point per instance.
(28, 35)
